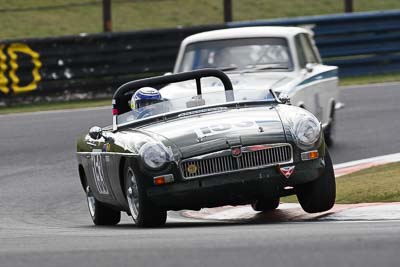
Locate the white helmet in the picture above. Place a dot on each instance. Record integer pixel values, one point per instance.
(145, 96)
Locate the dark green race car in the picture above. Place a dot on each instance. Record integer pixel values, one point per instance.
(212, 148)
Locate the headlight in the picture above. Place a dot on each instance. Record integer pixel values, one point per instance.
(307, 130)
(305, 127)
(154, 155)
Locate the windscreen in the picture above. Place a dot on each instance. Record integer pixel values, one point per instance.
(190, 105)
(237, 54)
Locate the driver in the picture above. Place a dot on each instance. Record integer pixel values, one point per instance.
(142, 100)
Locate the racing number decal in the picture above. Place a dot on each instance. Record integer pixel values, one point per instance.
(220, 127)
(224, 127)
(98, 174)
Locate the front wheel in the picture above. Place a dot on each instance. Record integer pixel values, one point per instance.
(144, 213)
(320, 194)
(100, 213)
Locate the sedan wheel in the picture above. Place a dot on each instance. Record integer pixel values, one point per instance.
(100, 213)
(144, 213)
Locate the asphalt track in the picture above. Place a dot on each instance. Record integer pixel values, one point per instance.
(44, 219)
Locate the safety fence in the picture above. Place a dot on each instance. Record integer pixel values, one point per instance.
(359, 43)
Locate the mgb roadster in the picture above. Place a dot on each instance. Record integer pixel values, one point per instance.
(217, 146)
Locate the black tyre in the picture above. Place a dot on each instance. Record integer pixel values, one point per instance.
(100, 213)
(320, 194)
(144, 213)
(265, 204)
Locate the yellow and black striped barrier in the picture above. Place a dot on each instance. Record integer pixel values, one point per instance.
(10, 82)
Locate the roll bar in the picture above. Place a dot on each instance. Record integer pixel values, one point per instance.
(117, 101)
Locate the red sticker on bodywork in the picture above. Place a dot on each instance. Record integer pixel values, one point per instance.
(236, 152)
(287, 171)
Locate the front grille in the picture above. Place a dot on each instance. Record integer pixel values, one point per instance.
(224, 161)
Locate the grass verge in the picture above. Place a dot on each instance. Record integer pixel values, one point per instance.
(54, 106)
(376, 184)
(42, 18)
(382, 78)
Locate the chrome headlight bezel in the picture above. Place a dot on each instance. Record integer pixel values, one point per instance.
(304, 126)
(154, 155)
(307, 131)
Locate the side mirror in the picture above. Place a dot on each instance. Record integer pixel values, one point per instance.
(285, 99)
(309, 67)
(95, 132)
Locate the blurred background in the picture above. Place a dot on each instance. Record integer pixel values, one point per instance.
(53, 50)
(44, 18)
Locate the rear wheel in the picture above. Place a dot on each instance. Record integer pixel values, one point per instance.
(265, 204)
(320, 194)
(144, 213)
(100, 213)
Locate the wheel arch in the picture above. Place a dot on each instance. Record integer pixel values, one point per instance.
(121, 167)
(121, 174)
(332, 104)
(82, 177)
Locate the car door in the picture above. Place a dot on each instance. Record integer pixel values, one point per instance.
(328, 92)
(98, 174)
(307, 88)
(318, 87)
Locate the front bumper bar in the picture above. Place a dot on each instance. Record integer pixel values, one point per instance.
(234, 188)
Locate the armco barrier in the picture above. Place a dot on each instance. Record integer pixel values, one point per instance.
(87, 63)
(360, 44)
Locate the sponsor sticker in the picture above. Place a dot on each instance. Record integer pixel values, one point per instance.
(192, 168)
(106, 148)
(98, 174)
(287, 171)
(236, 152)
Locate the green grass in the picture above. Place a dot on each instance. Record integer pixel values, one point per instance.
(393, 77)
(148, 14)
(19, 108)
(377, 184)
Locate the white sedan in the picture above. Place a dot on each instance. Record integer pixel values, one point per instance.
(284, 59)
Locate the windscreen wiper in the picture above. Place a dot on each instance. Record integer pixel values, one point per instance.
(272, 66)
(228, 68)
(254, 68)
